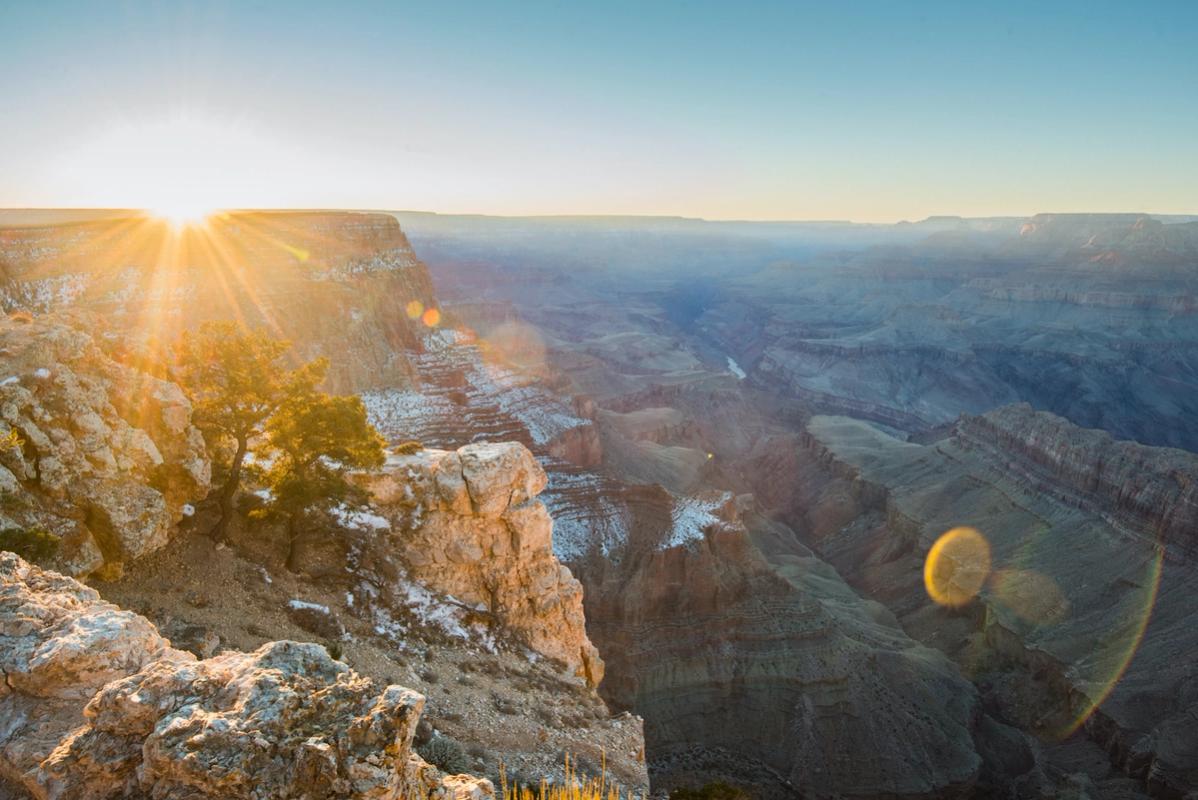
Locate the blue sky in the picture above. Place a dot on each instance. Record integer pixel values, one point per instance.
(866, 111)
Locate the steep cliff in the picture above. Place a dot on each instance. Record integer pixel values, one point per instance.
(1084, 618)
(96, 704)
(751, 660)
(336, 284)
(472, 529)
(104, 458)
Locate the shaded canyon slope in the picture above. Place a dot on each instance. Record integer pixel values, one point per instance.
(1086, 618)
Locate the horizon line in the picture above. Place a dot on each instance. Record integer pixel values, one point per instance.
(610, 216)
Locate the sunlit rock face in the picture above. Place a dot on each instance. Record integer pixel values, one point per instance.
(104, 457)
(98, 705)
(1091, 578)
(473, 529)
(336, 284)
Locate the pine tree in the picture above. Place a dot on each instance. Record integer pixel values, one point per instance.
(314, 440)
(236, 381)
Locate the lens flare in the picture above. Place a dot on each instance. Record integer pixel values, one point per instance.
(1033, 596)
(414, 308)
(432, 317)
(1125, 645)
(956, 567)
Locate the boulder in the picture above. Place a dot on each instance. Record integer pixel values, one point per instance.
(105, 456)
(98, 705)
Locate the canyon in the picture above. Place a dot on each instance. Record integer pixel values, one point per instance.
(695, 467)
(715, 353)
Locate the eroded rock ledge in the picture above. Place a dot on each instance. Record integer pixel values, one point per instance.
(470, 528)
(1150, 489)
(96, 704)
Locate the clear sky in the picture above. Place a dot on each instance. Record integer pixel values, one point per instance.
(827, 110)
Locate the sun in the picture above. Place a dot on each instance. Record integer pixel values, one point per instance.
(181, 213)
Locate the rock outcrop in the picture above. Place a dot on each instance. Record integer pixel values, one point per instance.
(96, 704)
(99, 454)
(1153, 490)
(336, 284)
(469, 526)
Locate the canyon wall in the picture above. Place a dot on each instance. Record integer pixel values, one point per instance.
(1091, 564)
(336, 284)
(473, 529)
(752, 661)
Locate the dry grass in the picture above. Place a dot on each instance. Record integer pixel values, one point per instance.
(573, 787)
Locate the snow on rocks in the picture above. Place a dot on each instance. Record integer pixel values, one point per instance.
(692, 516)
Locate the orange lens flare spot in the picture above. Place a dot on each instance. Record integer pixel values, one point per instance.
(432, 317)
(301, 255)
(415, 308)
(956, 567)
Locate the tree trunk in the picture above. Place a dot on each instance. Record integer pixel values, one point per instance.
(293, 533)
(220, 531)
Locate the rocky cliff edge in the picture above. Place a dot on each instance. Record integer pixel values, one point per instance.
(96, 704)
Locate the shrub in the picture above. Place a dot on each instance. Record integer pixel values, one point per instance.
(34, 544)
(408, 448)
(446, 754)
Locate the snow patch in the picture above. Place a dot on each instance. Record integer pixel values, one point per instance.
(359, 519)
(305, 605)
(735, 369)
(692, 516)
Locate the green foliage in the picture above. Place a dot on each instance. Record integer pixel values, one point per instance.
(247, 401)
(446, 754)
(313, 441)
(32, 544)
(408, 448)
(710, 791)
(234, 378)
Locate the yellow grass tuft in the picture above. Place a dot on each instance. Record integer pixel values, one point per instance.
(572, 788)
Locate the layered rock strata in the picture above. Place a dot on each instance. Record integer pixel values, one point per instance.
(1090, 569)
(751, 660)
(336, 284)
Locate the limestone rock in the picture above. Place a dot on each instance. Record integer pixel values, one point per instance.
(97, 705)
(468, 526)
(108, 457)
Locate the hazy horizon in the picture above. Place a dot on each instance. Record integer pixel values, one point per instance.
(768, 113)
